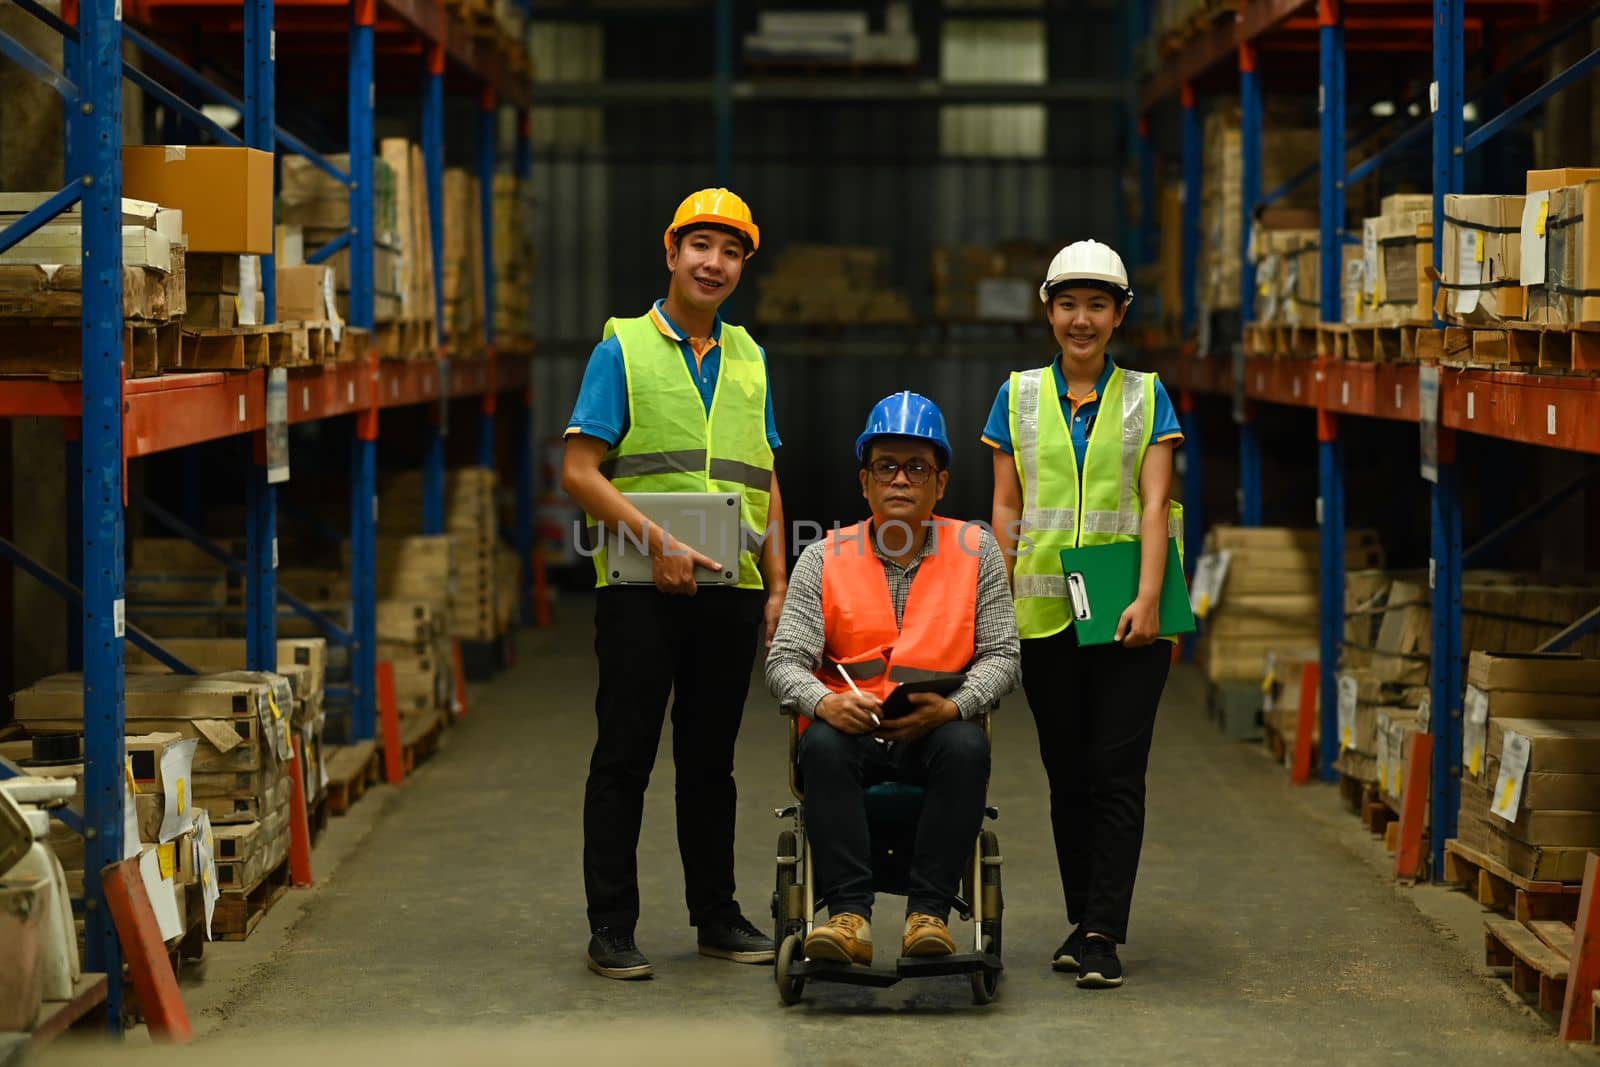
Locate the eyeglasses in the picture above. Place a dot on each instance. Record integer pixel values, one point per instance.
(917, 472)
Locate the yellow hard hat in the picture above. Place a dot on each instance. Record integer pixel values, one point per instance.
(720, 206)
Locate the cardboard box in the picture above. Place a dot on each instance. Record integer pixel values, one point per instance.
(1542, 181)
(305, 294)
(214, 272)
(1564, 746)
(225, 194)
(1405, 252)
(1572, 256)
(1548, 672)
(1482, 260)
(1513, 704)
(1406, 203)
(1550, 790)
(58, 699)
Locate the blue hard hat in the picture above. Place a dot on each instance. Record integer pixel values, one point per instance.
(906, 414)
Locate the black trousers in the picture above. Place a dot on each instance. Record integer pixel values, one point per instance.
(951, 763)
(1095, 709)
(700, 650)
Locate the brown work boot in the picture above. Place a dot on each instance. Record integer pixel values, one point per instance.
(845, 938)
(926, 936)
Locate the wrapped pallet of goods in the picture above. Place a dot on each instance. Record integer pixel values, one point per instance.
(317, 205)
(1265, 601)
(988, 283)
(1283, 691)
(41, 290)
(234, 732)
(1402, 235)
(1530, 788)
(1558, 250)
(845, 285)
(514, 223)
(1285, 152)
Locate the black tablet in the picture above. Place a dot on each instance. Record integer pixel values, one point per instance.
(898, 703)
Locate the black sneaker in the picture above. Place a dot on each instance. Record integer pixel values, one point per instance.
(1098, 966)
(735, 939)
(613, 954)
(1068, 955)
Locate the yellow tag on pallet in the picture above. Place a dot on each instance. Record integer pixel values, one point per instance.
(1475, 760)
(183, 797)
(1511, 785)
(272, 702)
(167, 858)
(1477, 239)
(1544, 215)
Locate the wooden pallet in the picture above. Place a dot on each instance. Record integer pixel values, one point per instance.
(1380, 342)
(407, 339)
(1421, 344)
(1537, 955)
(351, 769)
(53, 348)
(1377, 814)
(1357, 794)
(419, 736)
(1511, 894)
(238, 913)
(239, 348)
(302, 344)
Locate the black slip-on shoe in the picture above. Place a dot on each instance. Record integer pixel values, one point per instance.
(612, 953)
(1067, 956)
(1098, 966)
(735, 939)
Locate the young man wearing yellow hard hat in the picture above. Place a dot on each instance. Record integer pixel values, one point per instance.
(676, 400)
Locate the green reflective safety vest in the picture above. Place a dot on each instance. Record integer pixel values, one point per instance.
(674, 446)
(1064, 507)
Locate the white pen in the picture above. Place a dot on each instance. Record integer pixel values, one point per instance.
(851, 682)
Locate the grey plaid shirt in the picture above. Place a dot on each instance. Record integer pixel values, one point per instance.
(797, 647)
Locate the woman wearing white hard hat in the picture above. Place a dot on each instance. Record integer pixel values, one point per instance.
(1082, 456)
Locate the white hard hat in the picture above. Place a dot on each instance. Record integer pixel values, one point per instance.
(1086, 261)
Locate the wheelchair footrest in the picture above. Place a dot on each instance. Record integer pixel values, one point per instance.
(932, 966)
(844, 973)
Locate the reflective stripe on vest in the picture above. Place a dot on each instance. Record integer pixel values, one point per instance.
(674, 445)
(937, 632)
(1055, 513)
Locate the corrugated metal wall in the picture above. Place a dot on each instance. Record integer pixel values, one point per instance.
(847, 173)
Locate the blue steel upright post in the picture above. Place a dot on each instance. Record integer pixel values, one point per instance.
(1330, 447)
(1250, 123)
(1191, 208)
(488, 134)
(98, 152)
(433, 162)
(1445, 681)
(364, 447)
(523, 462)
(261, 535)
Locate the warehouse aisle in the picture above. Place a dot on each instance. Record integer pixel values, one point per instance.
(1258, 936)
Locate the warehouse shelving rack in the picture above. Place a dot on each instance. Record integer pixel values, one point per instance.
(120, 419)
(1555, 412)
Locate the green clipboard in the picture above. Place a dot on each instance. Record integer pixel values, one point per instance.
(1102, 580)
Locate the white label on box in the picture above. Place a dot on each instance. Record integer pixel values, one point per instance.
(1533, 239)
(119, 618)
(130, 816)
(1469, 271)
(163, 896)
(1550, 419)
(176, 811)
(1349, 692)
(1474, 730)
(249, 268)
(1513, 768)
(1425, 714)
(1397, 767)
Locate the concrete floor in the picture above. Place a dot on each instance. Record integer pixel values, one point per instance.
(449, 917)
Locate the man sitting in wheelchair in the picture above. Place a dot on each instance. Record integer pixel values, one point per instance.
(907, 597)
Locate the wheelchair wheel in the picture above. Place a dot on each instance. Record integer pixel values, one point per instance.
(986, 985)
(789, 989)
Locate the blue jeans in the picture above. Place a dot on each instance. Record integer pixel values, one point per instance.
(951, 763)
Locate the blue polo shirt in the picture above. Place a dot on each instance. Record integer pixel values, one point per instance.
(602, 406)
(997, 431)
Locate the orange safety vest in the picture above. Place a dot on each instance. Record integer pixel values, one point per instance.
(860, 632)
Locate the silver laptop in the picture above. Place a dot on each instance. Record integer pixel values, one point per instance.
(709, 523)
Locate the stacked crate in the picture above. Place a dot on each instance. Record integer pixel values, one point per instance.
(417, 578)
(471, 520)
(832, 284)
(463, 262)
(1530, 791)
(224, 291)
(317, 205)
(514, 222)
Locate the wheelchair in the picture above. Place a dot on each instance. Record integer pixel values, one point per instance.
(893, 809)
